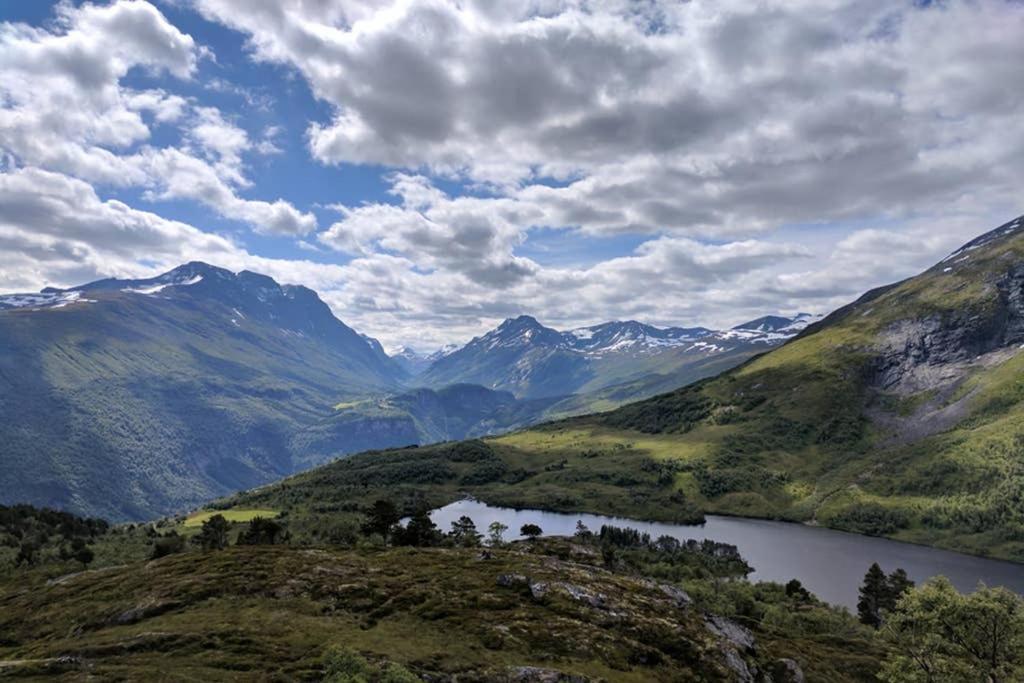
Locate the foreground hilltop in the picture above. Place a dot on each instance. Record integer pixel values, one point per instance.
(900, 415)
(530, 612)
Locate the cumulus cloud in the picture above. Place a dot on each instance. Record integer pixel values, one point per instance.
(695, 117)
(63, 107)
(466, 235)
(56, 231)
(753, 157)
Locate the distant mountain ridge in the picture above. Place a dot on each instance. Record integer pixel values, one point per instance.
(533, 361)
(129, 398)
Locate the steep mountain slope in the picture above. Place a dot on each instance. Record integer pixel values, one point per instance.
(901, 414)
(129, 398)
(534, 361)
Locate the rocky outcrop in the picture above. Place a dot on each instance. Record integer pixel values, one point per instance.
(731, 633)
(916, 355)
(145, 611)
(735, 641)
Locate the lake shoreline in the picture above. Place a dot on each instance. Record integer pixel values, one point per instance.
(778, 520)
(831, 563)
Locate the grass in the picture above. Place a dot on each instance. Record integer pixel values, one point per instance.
(196, 519)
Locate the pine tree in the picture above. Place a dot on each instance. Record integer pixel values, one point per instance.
(796, 591)
(420, 530)
(898, 584)
(263, 531)
(214, 534)
(464, 532)
(531, 531)
(381, 519)
(873, 595)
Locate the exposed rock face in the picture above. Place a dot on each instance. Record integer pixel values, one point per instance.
(581, 594)
(145, 611)
(678, 595)
(511, 580)
(731, 632)
(539, 589)
(735, 642)
(928, 353)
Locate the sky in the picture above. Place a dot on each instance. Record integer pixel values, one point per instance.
(432, 167)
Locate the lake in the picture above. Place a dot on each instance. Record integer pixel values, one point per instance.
(831, 564)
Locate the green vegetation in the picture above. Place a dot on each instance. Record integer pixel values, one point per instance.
(31, 536)
(880, 593)
(937, 634)
(613, 605)
(618, 480)
(342, 665)
(397, 603)
(197, 519)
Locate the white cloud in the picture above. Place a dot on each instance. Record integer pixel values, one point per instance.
(735, 142)
(56, 231)
(63, 107)
(692, 117)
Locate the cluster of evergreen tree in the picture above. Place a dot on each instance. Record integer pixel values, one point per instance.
(666, 555)
(43, 534)
(880, 593)
(383, 520)
(215, 534)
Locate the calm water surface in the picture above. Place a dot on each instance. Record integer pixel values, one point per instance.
(831, 564)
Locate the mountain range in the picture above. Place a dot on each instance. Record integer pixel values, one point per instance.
(533, 361)
(471, 389)
(129, 398)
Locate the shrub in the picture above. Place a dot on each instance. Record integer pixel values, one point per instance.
(872, 519)
(168, 545)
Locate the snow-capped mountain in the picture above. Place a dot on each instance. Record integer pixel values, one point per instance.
(416, 363)
(630, 334)
(411, 361)
(531, 360)
(445, 350)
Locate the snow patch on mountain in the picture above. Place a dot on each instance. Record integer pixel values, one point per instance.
(41, 301)
(158, 287)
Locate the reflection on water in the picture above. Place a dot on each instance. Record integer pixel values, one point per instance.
(831, 564)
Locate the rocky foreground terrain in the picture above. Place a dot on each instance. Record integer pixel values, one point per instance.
(546, 611)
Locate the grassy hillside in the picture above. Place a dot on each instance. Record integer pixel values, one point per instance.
(462, 411)
(900, 415)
